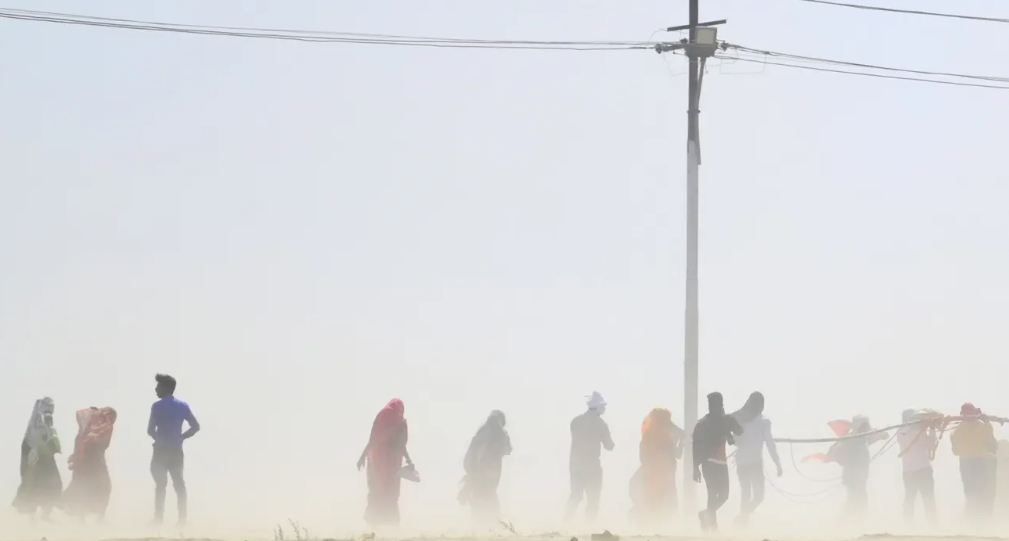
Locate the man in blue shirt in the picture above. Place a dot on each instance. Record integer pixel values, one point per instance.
(165, 427)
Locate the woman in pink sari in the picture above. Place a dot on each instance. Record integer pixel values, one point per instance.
(384, 456)
(90, 487)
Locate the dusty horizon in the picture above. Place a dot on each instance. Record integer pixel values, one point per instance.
(299, 232)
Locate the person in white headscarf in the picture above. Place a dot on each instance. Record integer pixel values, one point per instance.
(41, 485)
(589, 435)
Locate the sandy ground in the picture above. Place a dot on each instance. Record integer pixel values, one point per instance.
(82, 535)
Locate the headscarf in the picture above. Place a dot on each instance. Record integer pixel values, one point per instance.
(94, 427)
(490, 441)
(752, 409)
(39, 432)
(389, 421)
(595, 401)
(658, 421)
(495, 419)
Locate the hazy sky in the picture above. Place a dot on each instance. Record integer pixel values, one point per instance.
(299, 232)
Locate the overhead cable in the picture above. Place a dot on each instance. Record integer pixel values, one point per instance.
(910, 11)
(810, 63)
(813, 59)
(318, 36)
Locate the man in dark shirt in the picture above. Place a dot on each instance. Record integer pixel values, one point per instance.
(165, 427)
(711, 434)
(589, 433)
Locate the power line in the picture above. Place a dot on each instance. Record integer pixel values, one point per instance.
(318, 36)
(910, 11)
(813, 59)
(862, 73)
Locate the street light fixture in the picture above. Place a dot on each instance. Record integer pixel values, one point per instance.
(706, 42)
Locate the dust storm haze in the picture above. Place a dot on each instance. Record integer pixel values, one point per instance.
(478, 230)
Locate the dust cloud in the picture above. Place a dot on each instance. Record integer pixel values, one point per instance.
(299, 245)
(285, 415)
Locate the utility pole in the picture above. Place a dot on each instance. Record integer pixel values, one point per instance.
(701, 44)
(691, 323)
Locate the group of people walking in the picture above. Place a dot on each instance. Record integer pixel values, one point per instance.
(750, 432)
(41, 489)
(653, 486)
(973, 443)
(972, 440)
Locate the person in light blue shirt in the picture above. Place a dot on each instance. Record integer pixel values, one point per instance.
(168, 415)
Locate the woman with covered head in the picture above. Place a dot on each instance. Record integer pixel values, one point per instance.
(41, 485)
(653, 487)
(483, 464)
(384, 455)
(90, 487)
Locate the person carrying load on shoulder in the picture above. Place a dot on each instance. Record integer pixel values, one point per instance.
(918, 442)
(974, 443)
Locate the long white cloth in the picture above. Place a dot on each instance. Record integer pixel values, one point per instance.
(38, 432)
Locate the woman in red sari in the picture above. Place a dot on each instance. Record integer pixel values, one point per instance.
(384, 456)
(90, 487)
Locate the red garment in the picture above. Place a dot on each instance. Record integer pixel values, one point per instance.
(94, 432)
(91, 486)
(842, 428)
(386, 449)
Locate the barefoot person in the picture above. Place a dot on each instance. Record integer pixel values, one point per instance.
(168, 415)
(483, 464)
(589, 434)
(712, 433)
(750, 454)
(384, 455)
(41, 485)
(90, 486)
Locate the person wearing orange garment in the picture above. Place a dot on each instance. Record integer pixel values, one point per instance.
(653, 487)
(974, 443)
